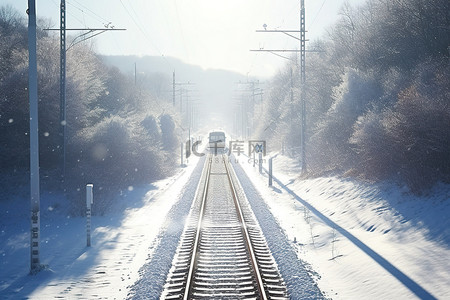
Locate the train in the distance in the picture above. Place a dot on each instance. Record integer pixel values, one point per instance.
(217, 141)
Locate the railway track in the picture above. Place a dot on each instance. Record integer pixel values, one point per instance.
(222, 253)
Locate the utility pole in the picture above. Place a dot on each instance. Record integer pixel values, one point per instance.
(181, 103)
(90, 33)
(34, 140)
(173, 89)
(62, 83)
(247, 107)
(188, 115)
(302, 52)
(181, 89)
(190, 104)
(292, 98)
(181, 84)
(302, 84)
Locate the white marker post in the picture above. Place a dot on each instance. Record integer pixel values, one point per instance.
(89, 202)
(270, 171)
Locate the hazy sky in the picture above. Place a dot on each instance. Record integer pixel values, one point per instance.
(209, 33)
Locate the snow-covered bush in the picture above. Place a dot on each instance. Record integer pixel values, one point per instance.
(329, 145)
(110, 141)
(375, 150)
(277, 113)
(115, 154)
(150, 124)
(375, 106)
(168, 134)
(411, 139)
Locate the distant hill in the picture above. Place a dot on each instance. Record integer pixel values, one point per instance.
(213, 89)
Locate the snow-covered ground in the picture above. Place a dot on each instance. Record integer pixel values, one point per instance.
(359, 241)
(365, 241)
(121, 244)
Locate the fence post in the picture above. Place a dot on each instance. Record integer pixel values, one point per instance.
(181, 153)
(254, 159)
(188, 150)
(260, 162)
(89, 202)
(270, 171)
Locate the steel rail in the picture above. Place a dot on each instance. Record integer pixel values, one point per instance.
(260, 284)
(190, 281)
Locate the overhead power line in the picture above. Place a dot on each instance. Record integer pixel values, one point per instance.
(302, 52)
(99, 17)
(90, 33)
(317, 14)
(144, 33)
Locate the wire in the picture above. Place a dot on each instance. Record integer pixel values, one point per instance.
(86, 11)
(75, 17)
(92, 12)
(57, 5)
(181, 28)
(138, 26)
(143, 32)
(157, 49)
(315, 18)
(132, 8)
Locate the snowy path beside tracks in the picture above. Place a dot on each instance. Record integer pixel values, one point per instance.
(407, 233)
(121, 245)
(153, 274)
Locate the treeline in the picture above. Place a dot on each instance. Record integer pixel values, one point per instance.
(377, 97)
(118, 134)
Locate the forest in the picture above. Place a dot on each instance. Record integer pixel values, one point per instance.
(377, 96)
(118, 134)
